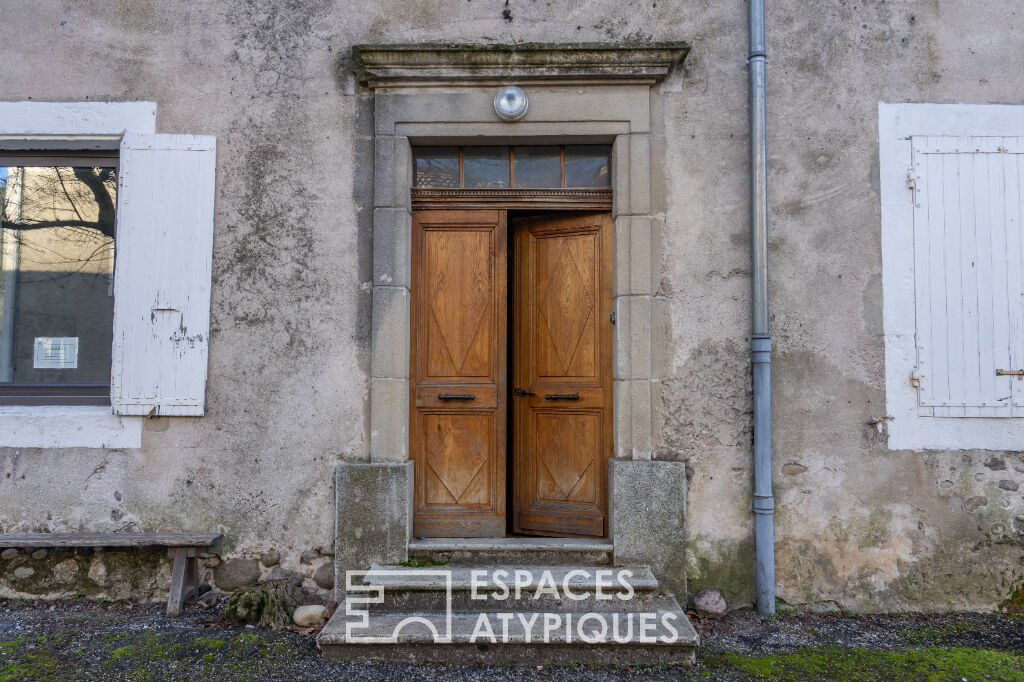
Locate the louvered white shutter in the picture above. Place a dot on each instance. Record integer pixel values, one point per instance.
(969, 274)
(162, 273)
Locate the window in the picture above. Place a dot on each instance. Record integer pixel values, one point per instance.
(525, 167)
(160, 214)
(952, 186)
(56, 278)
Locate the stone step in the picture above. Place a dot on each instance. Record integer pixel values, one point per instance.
(514, 588)
(513, 551)
(525, 637)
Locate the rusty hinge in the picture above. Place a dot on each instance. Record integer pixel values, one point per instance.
(915, 378)
(1019, 373)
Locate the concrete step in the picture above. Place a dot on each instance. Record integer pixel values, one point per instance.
(578, 589)
(513, 551)
(530, 637)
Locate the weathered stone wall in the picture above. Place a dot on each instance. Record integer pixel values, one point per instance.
(858, 525)
(145, 574)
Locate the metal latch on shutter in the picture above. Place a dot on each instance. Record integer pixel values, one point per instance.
(912, 186)
(1019, 373)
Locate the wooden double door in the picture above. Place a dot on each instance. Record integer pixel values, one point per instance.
(511, 373)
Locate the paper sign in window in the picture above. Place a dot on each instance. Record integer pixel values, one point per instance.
(55, 352)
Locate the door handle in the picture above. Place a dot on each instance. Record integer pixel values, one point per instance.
(456, 396)
(561, 396)
(520, 392)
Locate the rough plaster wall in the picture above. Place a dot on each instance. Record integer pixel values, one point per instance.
(857, 524)
(287, 351)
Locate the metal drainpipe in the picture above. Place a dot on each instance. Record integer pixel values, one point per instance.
(761, 342)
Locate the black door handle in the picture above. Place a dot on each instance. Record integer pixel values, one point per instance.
(520, 392)
(561, 396)
(456, 396)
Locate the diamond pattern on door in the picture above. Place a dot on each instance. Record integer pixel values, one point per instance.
(457, 392)
(566, 449)
(562, 341)
(460, 285)
(565, 305)
(457, 450)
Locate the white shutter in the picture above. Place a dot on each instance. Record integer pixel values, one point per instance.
(162, 273)
(968, 262)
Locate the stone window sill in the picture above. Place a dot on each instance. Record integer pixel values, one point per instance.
(67, 427)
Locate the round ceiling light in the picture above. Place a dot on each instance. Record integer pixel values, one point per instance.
(511, 103)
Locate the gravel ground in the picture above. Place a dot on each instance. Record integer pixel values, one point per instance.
(90, 641)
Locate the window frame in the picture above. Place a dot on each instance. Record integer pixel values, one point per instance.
(59, 393)
(898, 124)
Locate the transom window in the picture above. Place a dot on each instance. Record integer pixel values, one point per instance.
(524, 167)
(56, 278)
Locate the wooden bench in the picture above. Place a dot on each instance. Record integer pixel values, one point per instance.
(184, 548)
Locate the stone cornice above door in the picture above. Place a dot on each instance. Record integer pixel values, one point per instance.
(431, 64)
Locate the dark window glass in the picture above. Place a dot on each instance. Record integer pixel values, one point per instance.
(538, 166)
(485, 167)
(56, 279)
(436, 166)
(587, 166)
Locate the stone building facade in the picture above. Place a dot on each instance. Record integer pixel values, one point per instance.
(299, 452)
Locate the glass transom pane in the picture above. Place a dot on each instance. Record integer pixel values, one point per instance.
(538, 166)
(485, 167)
(587, 166)
(436, 167)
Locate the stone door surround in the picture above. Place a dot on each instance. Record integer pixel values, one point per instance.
(443, 94)
(579, 94)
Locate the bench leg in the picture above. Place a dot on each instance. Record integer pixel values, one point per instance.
(176, 596)
(191, 580)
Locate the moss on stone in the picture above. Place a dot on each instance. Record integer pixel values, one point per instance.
(729, 566)
(1014, 604)
(421, 562)
(269, 606)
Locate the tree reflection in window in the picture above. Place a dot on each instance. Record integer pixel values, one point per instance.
(57, 236)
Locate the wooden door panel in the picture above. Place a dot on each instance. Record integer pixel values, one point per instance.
(458, 459)
(458, 368)
(459, 291)
(568, 451)
(563, 339)
(565, 333)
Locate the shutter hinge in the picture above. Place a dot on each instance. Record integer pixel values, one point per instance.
(612, 317)
(915, 378)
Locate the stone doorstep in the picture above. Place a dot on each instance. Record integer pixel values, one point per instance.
(416, 642)
(416, 590)
(419, 578)
(491, 551)
(463, 602)
(463, 625)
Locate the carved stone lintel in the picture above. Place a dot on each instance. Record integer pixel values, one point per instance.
(435, 64)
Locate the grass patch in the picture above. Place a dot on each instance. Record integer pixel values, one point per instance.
(23, 658)
(827, 663)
